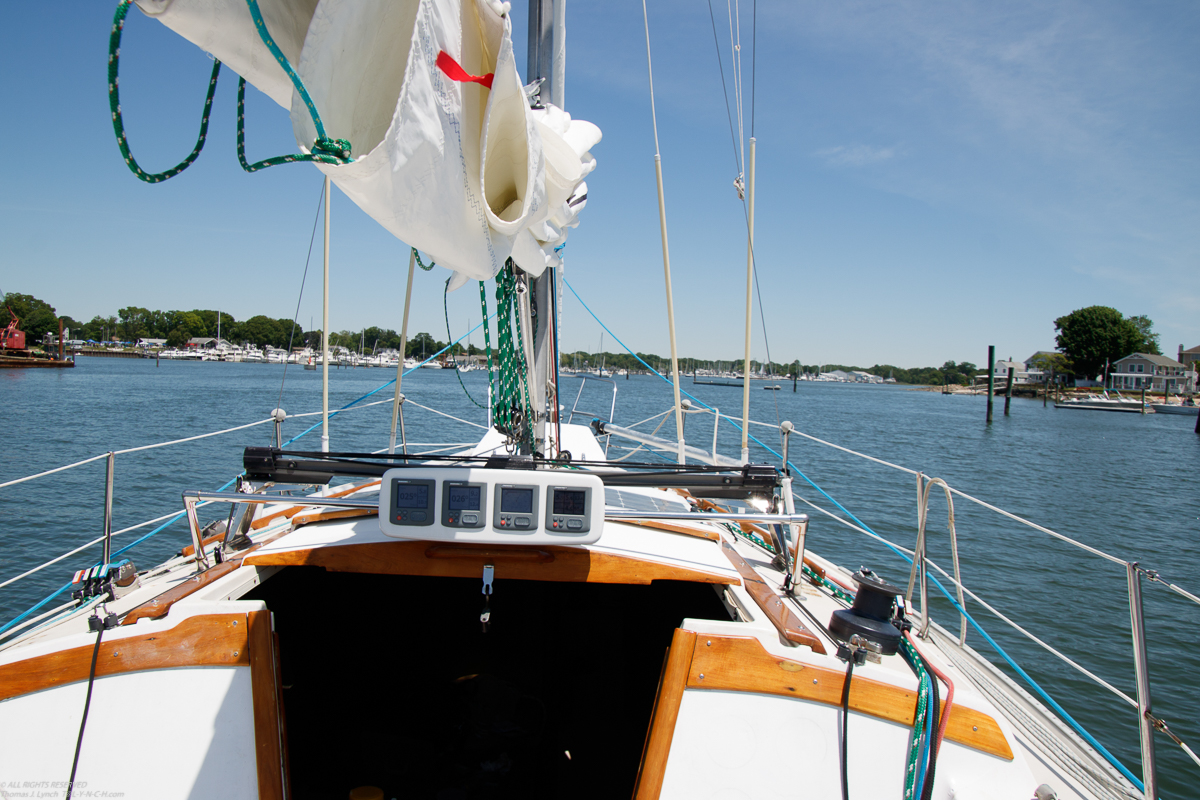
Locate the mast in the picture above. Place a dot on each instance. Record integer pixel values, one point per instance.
(325, 334)
(547, 59)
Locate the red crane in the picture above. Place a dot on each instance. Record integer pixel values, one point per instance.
(12, 337)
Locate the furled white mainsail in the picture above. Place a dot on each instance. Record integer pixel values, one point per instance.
(448, 155)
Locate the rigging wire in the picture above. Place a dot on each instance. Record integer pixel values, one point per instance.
(735, 59)
(739, 156)
(303, 281)
(737, 164)
(753, 61)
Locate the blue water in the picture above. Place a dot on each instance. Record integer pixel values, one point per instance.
(1124, 483)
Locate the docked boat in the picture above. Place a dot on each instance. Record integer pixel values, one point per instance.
(1187, 409)
(1105, 402)
(524, 618)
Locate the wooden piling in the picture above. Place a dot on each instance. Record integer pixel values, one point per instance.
(1143, 399)
(1008, 391)
(991, 380)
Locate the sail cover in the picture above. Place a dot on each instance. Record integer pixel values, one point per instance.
(448, 155)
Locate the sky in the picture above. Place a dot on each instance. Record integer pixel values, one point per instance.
(932, 178)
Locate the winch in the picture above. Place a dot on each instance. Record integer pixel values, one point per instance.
(870, 617)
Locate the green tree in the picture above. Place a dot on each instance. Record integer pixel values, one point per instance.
(1093, 338)
(260, 330)
(1149, 343)
(135, 323)
(422, 342)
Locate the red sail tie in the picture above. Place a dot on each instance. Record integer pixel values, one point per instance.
(455, 72)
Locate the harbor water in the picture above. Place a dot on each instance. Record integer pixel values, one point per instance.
(1122, 483)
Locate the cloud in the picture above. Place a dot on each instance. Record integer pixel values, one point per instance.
(857, 155)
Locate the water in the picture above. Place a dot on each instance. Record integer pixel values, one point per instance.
(1123, 483)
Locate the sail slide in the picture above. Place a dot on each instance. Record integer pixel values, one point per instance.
(448, 156)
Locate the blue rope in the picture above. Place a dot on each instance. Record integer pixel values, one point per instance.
(999, 650)
(66, 586)
(36, 607)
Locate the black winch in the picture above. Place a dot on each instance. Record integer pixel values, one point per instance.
(871, 615)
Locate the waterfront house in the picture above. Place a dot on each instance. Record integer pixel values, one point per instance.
(1020, 371)
(1151, 372)
(1189, 357)
(1033, 372)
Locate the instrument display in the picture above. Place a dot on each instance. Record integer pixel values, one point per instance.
(569, 509)
(452, 503)
(411, 501)
(464, 504)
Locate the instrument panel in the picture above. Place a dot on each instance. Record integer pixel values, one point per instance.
(480, 505)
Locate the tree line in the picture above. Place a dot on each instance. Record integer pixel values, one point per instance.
(177, 327)
(1089, 341)
(949, 372)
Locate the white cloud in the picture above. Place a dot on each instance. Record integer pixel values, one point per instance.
(857, 155)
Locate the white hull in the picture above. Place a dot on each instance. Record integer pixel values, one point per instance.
(748, 699)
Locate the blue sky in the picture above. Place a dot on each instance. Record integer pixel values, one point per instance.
(932, 178)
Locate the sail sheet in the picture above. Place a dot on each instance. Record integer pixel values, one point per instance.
(448, 155)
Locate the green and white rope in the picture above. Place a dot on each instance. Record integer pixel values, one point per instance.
(323, 146)
(421, 263)
(924, 694)
(114, 103)
(316, 156)
(324, 150)
(511, 408)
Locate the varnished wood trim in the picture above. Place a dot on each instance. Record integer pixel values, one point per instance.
(570, 564)
(265, 687)
(292, 511)
(160, 605)
(157, 607)
(741, 664)
(325, 516)
(190, 550)
(214, 640)
(788, 624)
(674, 527)
(490, 553)
(666, 712)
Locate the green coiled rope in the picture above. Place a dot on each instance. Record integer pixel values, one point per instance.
(511, 408)
(324, 150)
